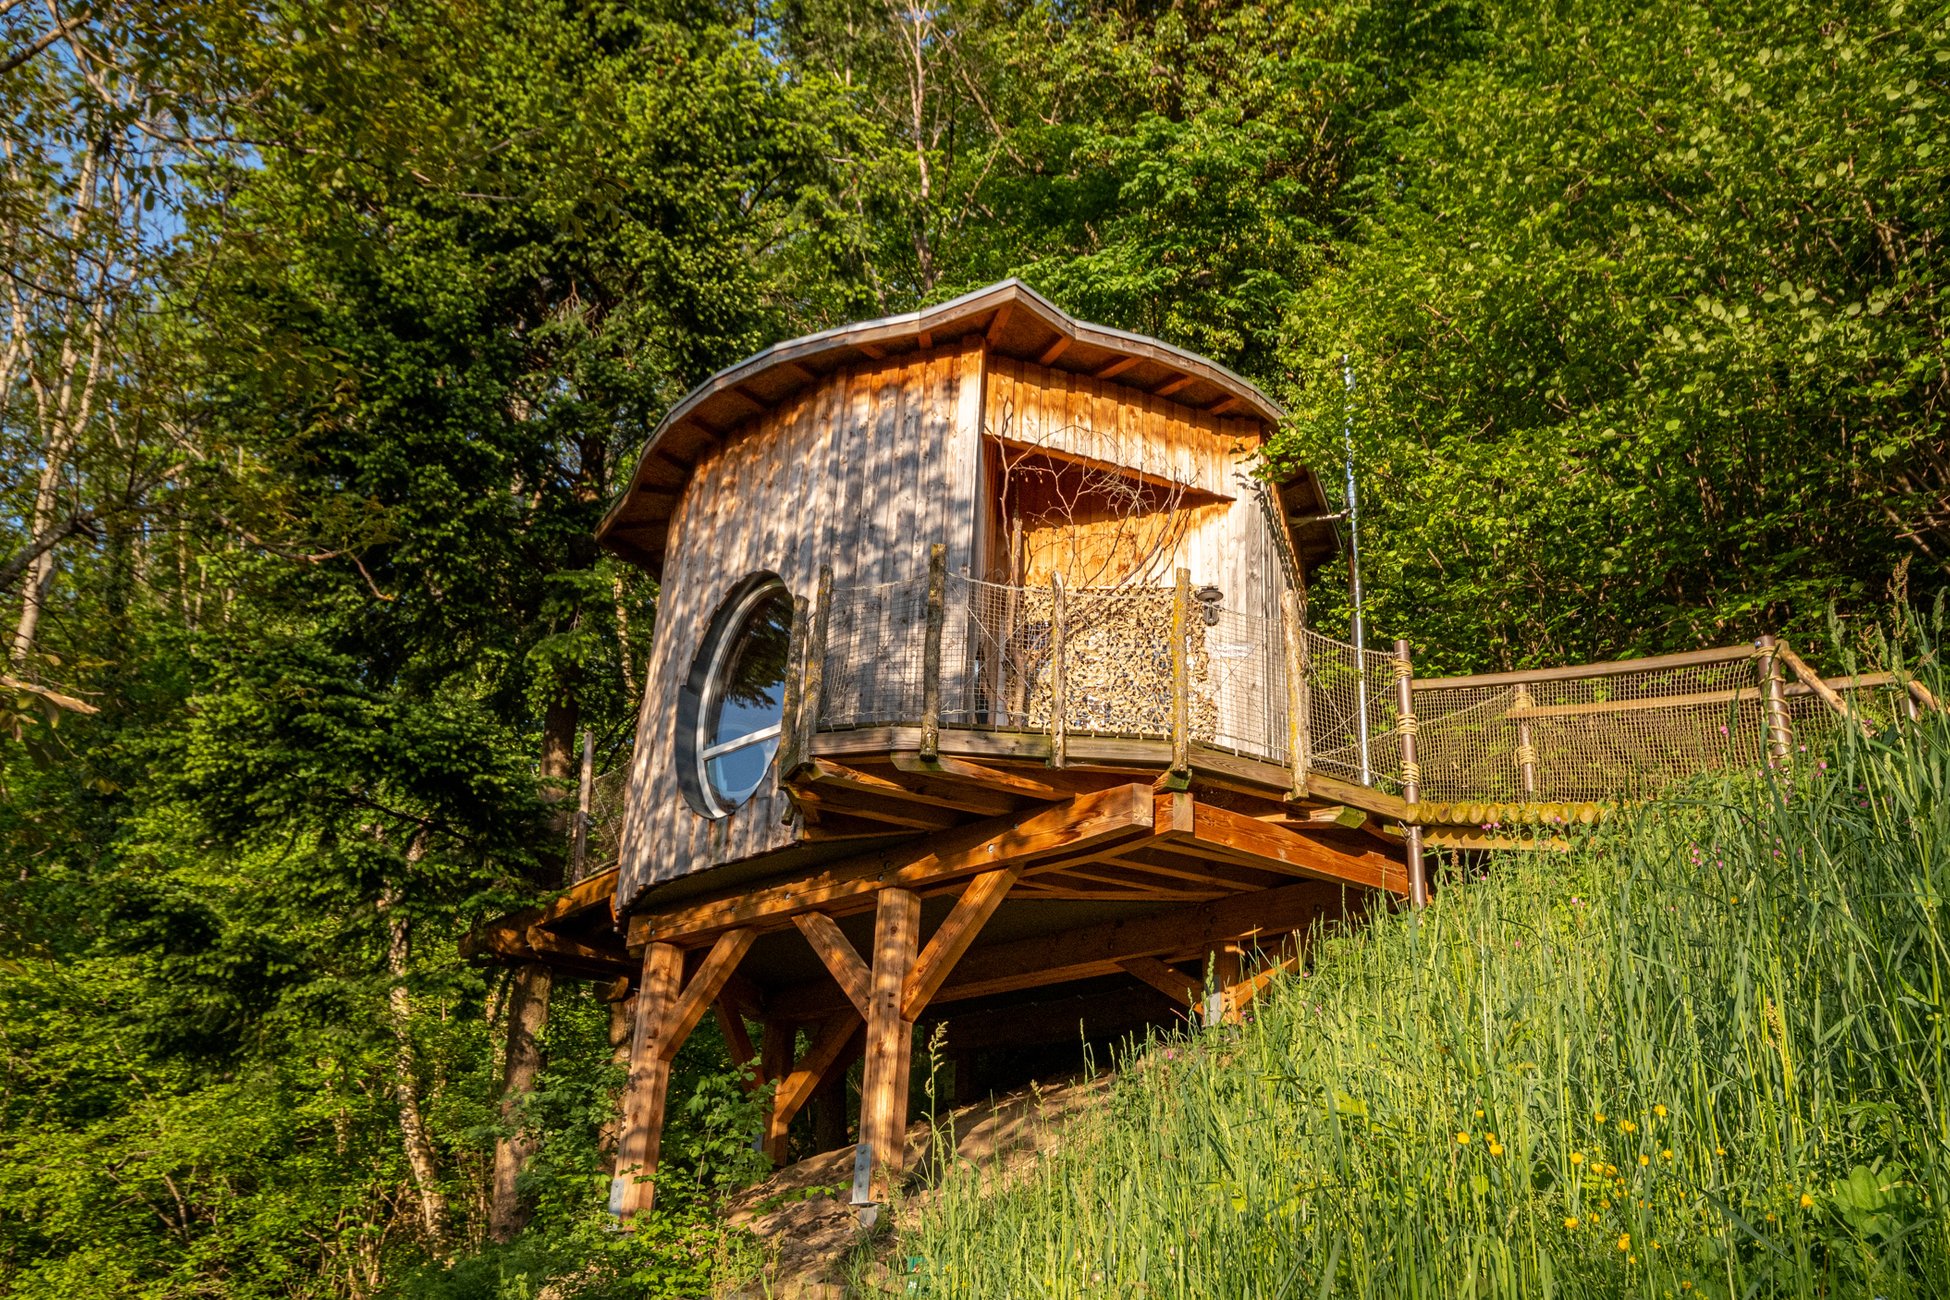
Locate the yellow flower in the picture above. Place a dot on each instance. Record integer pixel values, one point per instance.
(1631, 1259)
(1479, 1112)
(1770, 1217)
(1660, 1110)
(1577, 1157)
(1807, 1201)
(1462, 1139)
(1604, 1204)
(1594, 1219)
(1655, 1245)
(1645, 1160)
(1571, 1223)
(1496, 1148)
(1626, 1126)
(1624, 1241)
(1719, 1151)
(1610, 1170)
(1666, 1154)
(1601, 1117)
(1685, 1286)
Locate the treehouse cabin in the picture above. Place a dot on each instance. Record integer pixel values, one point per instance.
(980, 693)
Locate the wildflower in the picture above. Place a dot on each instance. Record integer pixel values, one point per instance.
(1594, 1219)
(1604, 1204)
(1462, 1139)
(1770, 1216)
(1666, 1154)
(1479, 1112)
(1496, 1149)
(1626, 1126)
(1807, 1201)
(1644, 1160)
(1624, 1241)
(1577, 1157)
(1601, 1117)
(1685, 1286)
(1719, 1151)
(1660, 1110)
(1571, 1222)
(1631, 1259)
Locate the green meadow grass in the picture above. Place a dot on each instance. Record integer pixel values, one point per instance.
(1702, 1054)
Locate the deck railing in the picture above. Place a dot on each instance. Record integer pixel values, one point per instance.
(1178, 664)
(1105, 662)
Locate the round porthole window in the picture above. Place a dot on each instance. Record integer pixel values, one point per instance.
(736, 698)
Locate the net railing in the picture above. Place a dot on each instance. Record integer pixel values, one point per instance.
(1616, 733)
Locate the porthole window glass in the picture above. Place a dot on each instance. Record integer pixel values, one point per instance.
(744, 695)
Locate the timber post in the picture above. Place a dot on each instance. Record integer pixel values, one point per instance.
(1773, 700)
(1181, 680)
(1298, 721)
(1059, 694)
(641, 1140)
(1418, 880)
(881, 1153)
(931, 652)
(1526, 745)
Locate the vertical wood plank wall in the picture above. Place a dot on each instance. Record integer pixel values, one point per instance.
(861, 471)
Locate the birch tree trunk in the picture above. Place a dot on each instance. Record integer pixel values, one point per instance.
(420, 1157)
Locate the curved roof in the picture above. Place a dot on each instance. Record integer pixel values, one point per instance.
(1015, 320)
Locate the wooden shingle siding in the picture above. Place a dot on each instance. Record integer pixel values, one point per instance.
(862, 471)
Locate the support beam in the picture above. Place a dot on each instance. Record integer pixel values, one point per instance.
(914, 789)
(737, 1040)
(849, 972)
(1090, 951)
(704, 988)
(1175, 984)
(890, 1048)
(958, 930)
(641, 1140)
(1073, 828)
(829, 1046)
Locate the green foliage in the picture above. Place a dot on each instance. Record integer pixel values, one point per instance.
(1647, 319)
(1700, 1054)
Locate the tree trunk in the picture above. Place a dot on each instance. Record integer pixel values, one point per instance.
(412, 1124)
(527, 1018)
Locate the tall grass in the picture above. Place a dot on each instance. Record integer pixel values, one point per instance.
(1703, 1054)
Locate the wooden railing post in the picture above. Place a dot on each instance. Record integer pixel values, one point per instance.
(791, 734)
(1526, 747)
(1181, 677)
(1059, 692)
(812, 693)
(1299, 739)
(931, 652)
(1418, 880)
(1774, 700)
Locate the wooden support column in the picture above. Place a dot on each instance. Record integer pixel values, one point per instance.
(1059, 694)
(1774, 701)
(931, 651)
(665, 1017)
(1406, 727)
(881, 1152)
(1299, 723)
(644, 1096)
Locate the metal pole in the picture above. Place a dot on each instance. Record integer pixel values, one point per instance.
(1418, 878)
(1354, 579)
